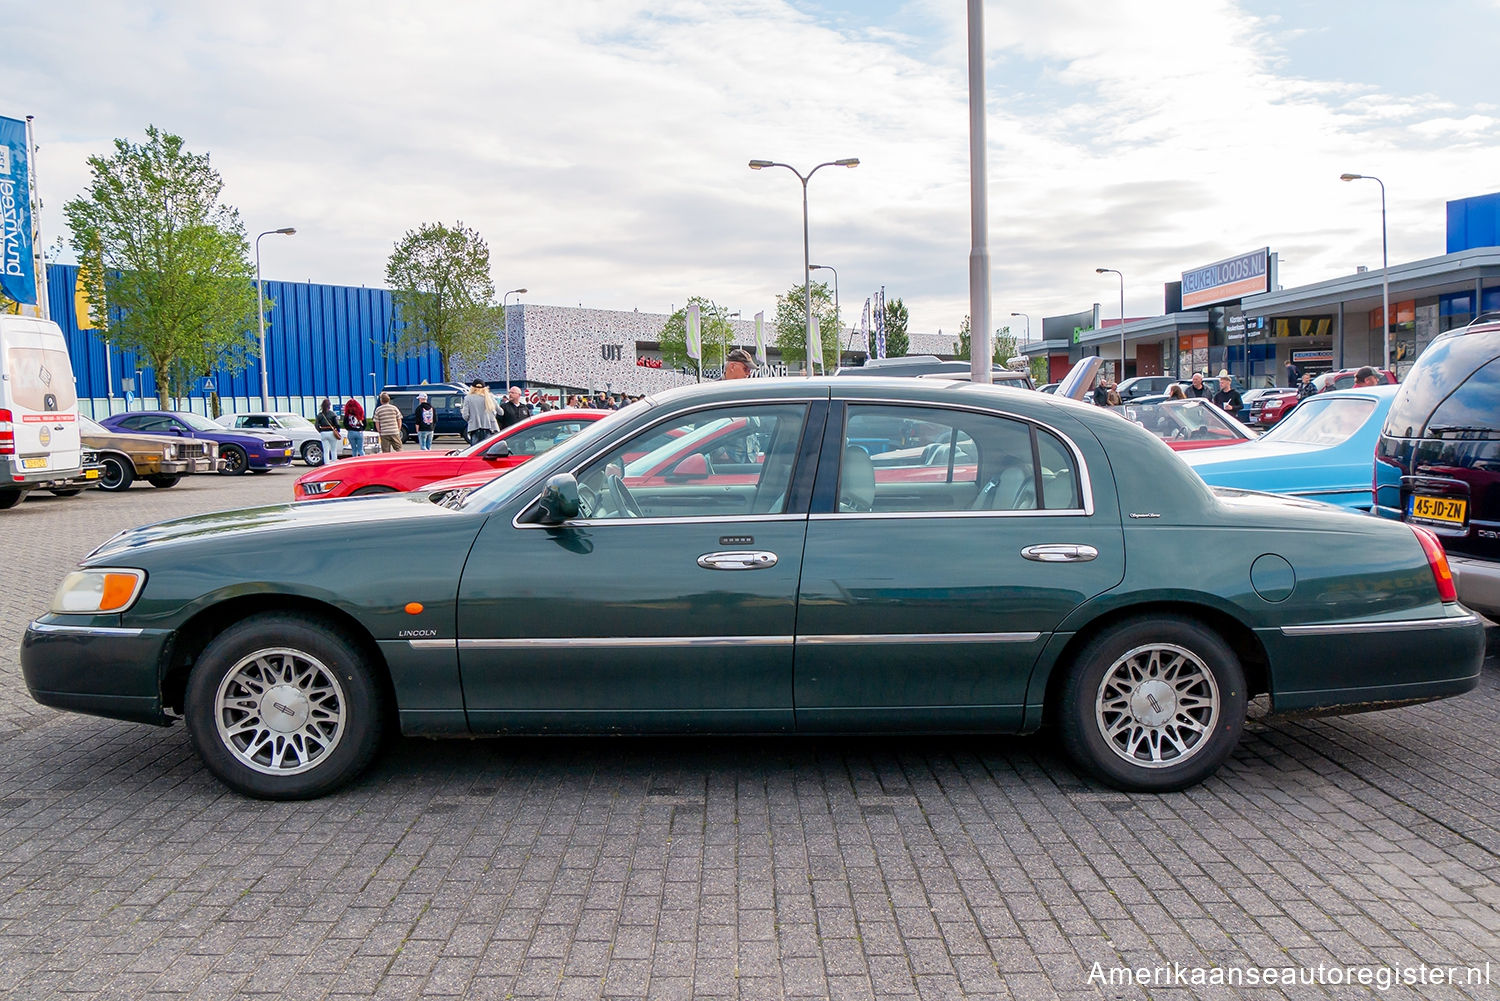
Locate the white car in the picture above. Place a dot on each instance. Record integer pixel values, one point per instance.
(303, 432)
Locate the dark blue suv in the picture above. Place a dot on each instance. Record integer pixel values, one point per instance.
(1437, 463)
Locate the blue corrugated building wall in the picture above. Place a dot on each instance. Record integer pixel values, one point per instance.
(1474, 222)
(321, 340)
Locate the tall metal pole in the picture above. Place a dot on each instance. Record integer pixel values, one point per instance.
(1028, 325)
(981, 345)
(38, 255)
(1120, 374)
(260, 315)
(1385, 273)
(505, 312)
(806, 258)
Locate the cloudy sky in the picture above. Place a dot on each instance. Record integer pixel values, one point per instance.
(601, 145)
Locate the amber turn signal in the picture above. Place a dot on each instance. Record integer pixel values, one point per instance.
(413, 608)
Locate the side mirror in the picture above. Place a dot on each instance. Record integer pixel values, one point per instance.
(499, 450)
(559, 500)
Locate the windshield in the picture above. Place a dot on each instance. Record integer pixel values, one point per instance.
(1177, 419)
(294, 420)
(1322, 422)
(498, 488)
(89, 427)
(198, 423)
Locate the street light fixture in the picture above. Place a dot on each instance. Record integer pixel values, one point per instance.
(1121, 377)
(1028, 325)
(1385, 274)
(506, 315)
(260, 314)
(806, 265)
(829, 267)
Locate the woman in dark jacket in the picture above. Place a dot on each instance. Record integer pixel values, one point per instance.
(328, 430)
(354, 423)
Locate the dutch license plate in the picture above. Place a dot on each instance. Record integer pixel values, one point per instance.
(91, 474)
(34, 463)
(1450, 510)
(287, 453)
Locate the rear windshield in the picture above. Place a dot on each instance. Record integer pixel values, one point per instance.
(1446, 365)
(1473, 408)
(40, 379)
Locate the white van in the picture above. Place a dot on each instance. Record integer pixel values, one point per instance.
(39, 444)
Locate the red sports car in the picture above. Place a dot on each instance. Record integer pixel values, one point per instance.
(410, 469)
(1186, 425)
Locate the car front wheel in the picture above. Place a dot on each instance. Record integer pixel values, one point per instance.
(235, 460)
(1153, 705)
(282, 706)
(116, 474)
(163, 481)
(312, 453)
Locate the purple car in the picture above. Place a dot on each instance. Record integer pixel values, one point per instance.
(240, 450)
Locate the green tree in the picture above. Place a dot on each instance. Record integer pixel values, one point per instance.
(717, 333)
(176, 268)
(896, 341)
(439, 278)
(791, 325)
(1004, 346)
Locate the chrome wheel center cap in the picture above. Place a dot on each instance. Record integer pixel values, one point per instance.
(1154, 703)
(284, 709)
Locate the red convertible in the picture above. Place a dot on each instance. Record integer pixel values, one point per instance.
(1187, 425)
(410, 470)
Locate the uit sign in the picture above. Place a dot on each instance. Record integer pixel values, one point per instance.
(1231, 278)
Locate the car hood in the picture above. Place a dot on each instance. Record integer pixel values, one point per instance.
(352, 515)
(120, 439)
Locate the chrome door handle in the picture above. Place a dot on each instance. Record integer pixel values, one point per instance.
(1060, 553)
(739, 560)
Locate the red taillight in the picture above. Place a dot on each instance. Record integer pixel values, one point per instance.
(1437, 560)
(7, 434)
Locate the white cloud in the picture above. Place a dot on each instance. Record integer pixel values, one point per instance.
(602, 147)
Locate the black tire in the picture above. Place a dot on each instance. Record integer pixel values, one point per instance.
(312, 453)
(10, 498)
(67, 492)
(322, 689)
(1117, 723)
(163, 481)
(117, 473)
(235, 460)
(370, 491)
(260, 469)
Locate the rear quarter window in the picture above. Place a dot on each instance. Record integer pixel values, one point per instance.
(1473, 406)
(1444, 367)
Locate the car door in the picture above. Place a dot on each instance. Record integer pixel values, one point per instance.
(618, 620)
(939, 564)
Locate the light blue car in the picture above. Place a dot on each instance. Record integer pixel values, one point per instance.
(1323, 450)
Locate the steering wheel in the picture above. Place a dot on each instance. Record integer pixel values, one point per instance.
(1201, 433)
(622, 498)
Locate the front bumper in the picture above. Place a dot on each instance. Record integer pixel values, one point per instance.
(265, 460)
(102, 670)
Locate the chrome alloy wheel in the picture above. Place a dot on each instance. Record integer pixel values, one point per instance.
(280, 711)
(1157, 705)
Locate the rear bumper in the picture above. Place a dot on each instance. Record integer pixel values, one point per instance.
(1348, 667)
(99, 670)
(12, 475)
(1478, 583)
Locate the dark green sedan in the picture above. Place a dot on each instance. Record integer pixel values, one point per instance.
(767, 556)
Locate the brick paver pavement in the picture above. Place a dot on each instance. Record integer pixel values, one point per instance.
(715, 868)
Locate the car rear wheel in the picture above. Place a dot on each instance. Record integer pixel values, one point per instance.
(68, 492)
(163, 481)
(312, 453)
(10, 498)
(235, 460)
(116, 473)
(282, 706)
(1153, 705)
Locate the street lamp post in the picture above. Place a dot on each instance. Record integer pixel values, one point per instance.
(1028, 325)
(806, 263)
(260, 315)
(504, 312)
(1121, 376)
(1385, 274)
(829, 267)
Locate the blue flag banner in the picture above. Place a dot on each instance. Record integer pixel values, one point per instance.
(17, 262)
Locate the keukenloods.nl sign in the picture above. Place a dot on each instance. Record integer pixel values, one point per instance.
(1231, 278)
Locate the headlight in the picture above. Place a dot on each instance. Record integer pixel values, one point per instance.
(102, 590)
(169, 452)
(319, 487)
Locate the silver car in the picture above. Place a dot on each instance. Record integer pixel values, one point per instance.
(304, 434)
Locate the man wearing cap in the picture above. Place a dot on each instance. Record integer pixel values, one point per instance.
(1228, 398)
(479, 412)
(1197, 390)
(1365, 377)
(738, 365)
(513, 409)
(425, 418)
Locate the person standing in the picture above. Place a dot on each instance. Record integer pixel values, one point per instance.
(514, 409)
(425, 419)
(1307, 388)
(1228, 398)
(1291, 373)
(738, 365)
(479, 412)
(1197, 390)
(1174, 392)
(388, 424)
(1366, 377)
(328, 430)
(354, 423)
